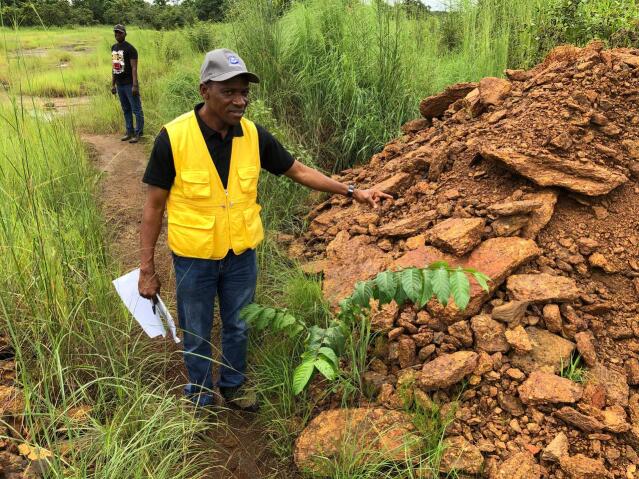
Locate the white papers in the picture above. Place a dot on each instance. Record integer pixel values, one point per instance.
(142, 309)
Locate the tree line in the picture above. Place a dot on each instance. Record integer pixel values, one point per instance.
(161, 14)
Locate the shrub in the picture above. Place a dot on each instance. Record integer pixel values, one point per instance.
(201, 37)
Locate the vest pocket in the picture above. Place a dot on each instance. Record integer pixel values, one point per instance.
(248, 178)
(191, 234)
(253, 224)
(196, 183)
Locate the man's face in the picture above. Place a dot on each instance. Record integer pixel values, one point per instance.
(119, 36)
(227, 100)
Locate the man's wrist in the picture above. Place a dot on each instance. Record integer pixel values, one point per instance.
(350, 190)
(147, 268)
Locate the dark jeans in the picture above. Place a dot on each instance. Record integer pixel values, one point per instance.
(198, 281)
(131, 105)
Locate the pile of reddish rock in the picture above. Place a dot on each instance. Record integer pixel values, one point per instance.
(532, 180)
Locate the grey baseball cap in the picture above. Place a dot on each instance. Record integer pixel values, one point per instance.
(119, 28)
(223, 64)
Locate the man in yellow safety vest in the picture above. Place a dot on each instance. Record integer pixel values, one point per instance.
(204, 170)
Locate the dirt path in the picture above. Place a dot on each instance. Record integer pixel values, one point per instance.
(241, 451)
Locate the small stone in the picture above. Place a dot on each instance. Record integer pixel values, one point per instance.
(614, 382)
(521, 465)
(556, 449)
(395, 333)
(384, 319)
(582, 467)
(598, 260)
(518, 339)
(461, 330)
(552, 318)
(492, 90)
(407, 352)
(516, 374)
(461, 456)
(586, 348)
(579, 420)
(511, 313)
(509, 225)
(372, 382)
(632, 368)
(415, 242)
(447, 369)
(489, 334)
(457, 235)
(426, 352)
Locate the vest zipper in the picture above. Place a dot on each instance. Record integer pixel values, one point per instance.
(228, 217)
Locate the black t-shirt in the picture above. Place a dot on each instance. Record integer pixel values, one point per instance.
(160, 170)
(121, 56)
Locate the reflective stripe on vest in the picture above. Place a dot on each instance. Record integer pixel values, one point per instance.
(205, 220)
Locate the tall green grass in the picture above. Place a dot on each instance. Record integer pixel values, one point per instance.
(74, 344)
(345, 75)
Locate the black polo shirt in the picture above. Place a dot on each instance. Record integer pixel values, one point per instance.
(160, 171)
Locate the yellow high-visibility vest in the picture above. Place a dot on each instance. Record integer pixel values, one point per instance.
(205, 220)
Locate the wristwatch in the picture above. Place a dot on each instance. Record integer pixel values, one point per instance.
(350, 191)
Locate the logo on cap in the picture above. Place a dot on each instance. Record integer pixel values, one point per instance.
(233, 60)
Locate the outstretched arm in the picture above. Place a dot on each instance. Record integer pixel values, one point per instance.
(312, 178)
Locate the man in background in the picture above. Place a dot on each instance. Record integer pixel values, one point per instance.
(124, 81)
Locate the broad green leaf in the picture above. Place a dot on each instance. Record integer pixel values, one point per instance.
(324, 366)
(287, 320)
(460, 288)
(411, 280)
(316, 337)
(275, 323)
(265, 318)
(437, 265)
(427, 287)
(330, 354)
(387, 286)
(335, 338)
(302, 375)
(250, 312)
(400, 295)
(441, 286)
(482, 279)
(362, 295)
(295, 330)
(345, 304)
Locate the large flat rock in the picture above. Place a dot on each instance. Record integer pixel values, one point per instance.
(542, 288)
(496, 257)
(546, 169)
(546, 388)
(350, 260)
(364, 433)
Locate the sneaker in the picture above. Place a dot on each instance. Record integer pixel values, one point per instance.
(127, 137)
(135, 139)
(240, 399)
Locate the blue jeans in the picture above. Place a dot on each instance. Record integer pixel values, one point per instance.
(131, 105)
(198, 281)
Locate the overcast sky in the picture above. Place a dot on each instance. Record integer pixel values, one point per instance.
(434, 4)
